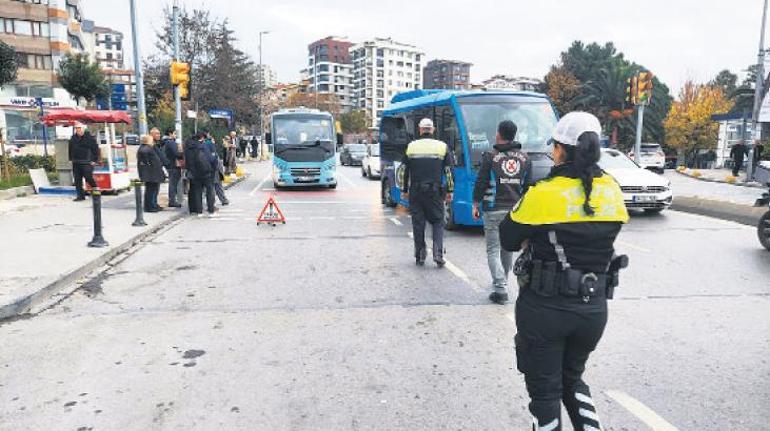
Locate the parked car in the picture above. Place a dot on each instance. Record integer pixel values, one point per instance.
(352, 154)
(370, 165)
(652, 157)
(641, 188)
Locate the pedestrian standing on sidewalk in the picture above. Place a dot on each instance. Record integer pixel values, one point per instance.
(174, 163)
(567, 224)
(199, 172)
(231, 157)
(159, 146)
(759, 148)
(738, 153)
(501, 182)
(150, 170)
(84, 155)
(254, 148)
(425, 179)
(239, 143)
(218, 167)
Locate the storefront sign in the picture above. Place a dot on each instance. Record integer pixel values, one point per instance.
(29, 102)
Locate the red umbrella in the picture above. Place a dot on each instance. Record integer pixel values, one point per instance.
(68, 117)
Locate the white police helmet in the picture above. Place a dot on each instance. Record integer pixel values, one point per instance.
(571, 126)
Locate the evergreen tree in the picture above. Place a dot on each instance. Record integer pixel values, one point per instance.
(8, 66)
(82, 78)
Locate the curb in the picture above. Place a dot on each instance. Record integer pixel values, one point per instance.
(712, 180)
(16, 192)
(737, 213)
(66, 285)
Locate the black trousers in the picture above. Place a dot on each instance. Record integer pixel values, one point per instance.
(555, 337)
(174, 182)
(208, 185)
(81, 172)
(737, 165)
(195, 197)
(426, 204)
(151, 191)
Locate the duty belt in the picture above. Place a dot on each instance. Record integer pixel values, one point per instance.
(559, 278)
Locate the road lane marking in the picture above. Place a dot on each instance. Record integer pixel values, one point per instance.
(642, 412)
(632, 247)
(704, 218)
(261, 183)
(396, 221)
(454, 269)
(348, 180)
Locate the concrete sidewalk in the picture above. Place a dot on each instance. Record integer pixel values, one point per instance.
(721, 176)
(43, 253)
(715, 199)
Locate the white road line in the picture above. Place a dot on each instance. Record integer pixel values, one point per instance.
(261, 183)
(347, 180)
(396, 221)
(461, 275)
(644, 413)
(713, 220)
(456, 271)
(632, 247)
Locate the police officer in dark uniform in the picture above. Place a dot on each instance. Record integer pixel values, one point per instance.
(425, 177)
(84, 155)
(567, 225)
(501, 182)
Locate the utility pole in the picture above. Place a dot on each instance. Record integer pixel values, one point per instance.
(757, 96)
(638, 143)
(177, 94)
(138, 71)
(260, 81)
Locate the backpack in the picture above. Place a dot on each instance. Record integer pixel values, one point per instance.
(202, 162)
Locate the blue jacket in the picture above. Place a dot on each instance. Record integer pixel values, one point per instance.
(171, 152)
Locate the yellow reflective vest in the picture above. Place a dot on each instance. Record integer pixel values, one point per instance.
(560, 200)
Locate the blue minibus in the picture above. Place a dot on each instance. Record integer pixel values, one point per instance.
(467, 121)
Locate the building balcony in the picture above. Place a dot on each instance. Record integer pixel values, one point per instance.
(38, 76)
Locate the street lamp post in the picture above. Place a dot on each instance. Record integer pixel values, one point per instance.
(260, 80)
(138, 71)
(757, 95)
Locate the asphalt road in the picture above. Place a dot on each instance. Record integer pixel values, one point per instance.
(325, 323)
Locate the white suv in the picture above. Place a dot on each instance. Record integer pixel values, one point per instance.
(370, 165)
(652, 157)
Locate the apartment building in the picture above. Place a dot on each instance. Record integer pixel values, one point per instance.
(266, 76)
(447, 74)
(41, 32)
(108, 48)
(513, 83)
(330, 71)
(383, 68)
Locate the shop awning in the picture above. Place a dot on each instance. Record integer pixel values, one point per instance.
(68, 117)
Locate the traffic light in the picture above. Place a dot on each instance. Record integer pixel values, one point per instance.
(180, 77)
(644, 88)
(631, 90)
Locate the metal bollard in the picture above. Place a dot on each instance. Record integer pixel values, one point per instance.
(98, 239)
(139, 208)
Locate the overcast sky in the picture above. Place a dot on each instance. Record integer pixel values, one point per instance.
(676, 39)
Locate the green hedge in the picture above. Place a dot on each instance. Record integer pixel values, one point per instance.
(20, 165)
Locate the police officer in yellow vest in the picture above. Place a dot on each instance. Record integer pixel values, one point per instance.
(566, 224)
(425, 178)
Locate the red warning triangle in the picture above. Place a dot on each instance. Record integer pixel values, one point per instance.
(271, 213)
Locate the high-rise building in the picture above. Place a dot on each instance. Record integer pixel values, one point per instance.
(383, 68)
(514, 83)
(447, 74)
(266, 76)
(329, 70)
(109, 48)
(41, 32)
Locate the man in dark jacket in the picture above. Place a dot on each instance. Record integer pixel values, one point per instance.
(150, 170)
(159, 146)
(738, 153)
(174, 160)
(199, 173)
(216, 162)
(501, 182)
(84, 155)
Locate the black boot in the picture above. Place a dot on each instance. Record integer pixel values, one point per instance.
(499, 297)
(420, 257)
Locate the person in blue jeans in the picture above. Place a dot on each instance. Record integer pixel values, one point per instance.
(501, 182)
